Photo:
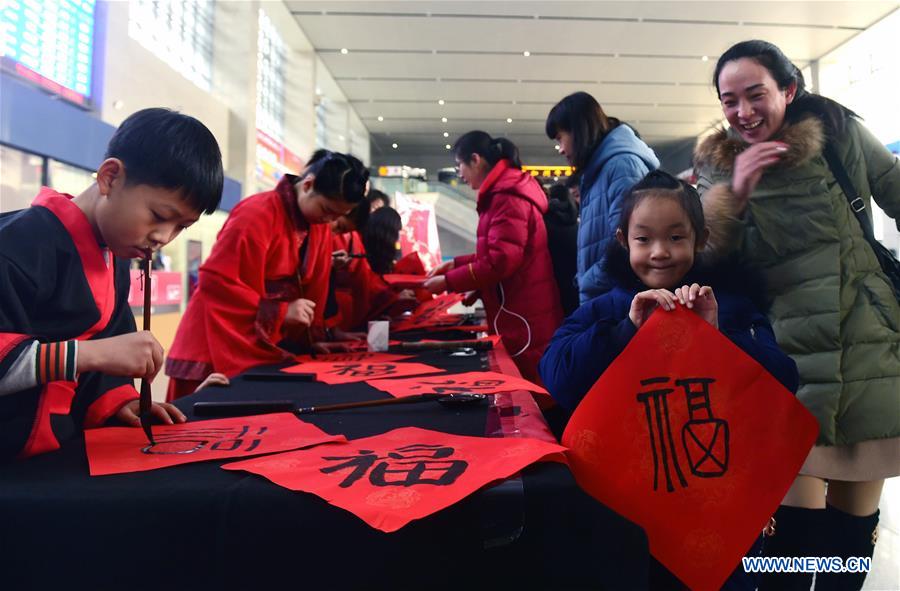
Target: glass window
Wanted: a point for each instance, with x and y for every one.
(270, 79)
(179, 33)
(21, 178)
(66, 178)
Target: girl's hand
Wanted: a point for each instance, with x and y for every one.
(442, 269)
(750, 165)
(701, 300)
(214, 379)
(645, 302)
(165, 413)
(340, 259)
(436, 284)
(300, 312)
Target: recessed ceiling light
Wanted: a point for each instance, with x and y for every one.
(443, 119)
(441, 101)
(394, 146)
(117, 105)
(509, 120)
(526, 53)
(446, 134)
(447, 146)
(344, 51)
(380, 118)
(705, 58)
(557, 147)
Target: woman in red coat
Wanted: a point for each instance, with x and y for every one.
(511, 266)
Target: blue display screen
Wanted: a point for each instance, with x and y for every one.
(52, 38)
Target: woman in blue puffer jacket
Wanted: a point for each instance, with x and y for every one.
(611, 158)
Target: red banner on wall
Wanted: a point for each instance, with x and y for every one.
(693, 440)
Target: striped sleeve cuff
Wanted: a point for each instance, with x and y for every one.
(55, 361)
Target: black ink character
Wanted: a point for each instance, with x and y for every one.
(193, 440)
(405, 466)
(364, 370)
(705, 438)
(660, 416)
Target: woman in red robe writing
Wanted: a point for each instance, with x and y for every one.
(266, 281)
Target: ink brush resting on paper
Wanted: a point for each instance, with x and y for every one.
(478, 345)
(255, 407)
(146, 400)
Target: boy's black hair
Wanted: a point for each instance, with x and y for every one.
(338, 176)
(833, 114)
(491, 149)
(582, 116)
(380, 239)
(376, 195)
(166, 149)
(662, 184)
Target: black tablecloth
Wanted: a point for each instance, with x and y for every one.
(199, 527)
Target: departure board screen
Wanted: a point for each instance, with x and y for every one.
(51, 43)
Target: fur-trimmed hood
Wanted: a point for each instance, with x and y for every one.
(806, 139)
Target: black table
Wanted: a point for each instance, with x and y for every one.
(199, 527)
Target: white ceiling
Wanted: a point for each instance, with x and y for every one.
(642, 60)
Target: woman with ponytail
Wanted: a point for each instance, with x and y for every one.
(772, 197)
(265, 283)
(511, 266)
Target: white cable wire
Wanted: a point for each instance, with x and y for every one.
(510, 312)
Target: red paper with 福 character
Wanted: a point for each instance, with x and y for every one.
(116, 450)
(393, 478)
(478, 382)
(693, 440)
(348, 372)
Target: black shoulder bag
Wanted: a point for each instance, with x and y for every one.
(889, 264)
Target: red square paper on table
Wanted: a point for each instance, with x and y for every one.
(693, 440)
(347, 372)
(115, 450)
(479, 382)
(360, 356)
(404, 280)
(391, 479)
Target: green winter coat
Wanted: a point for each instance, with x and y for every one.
(832, 307)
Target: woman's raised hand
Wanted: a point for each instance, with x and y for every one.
(750, 165)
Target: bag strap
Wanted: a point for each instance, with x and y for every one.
(856, 202)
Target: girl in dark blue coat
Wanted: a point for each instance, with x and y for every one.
(654, 264)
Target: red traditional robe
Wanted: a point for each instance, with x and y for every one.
(361, 293)
(56, 285)
(234, 321)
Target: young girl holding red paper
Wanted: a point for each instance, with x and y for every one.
(654, 264)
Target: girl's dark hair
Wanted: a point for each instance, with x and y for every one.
(491, 149)
(380, 239)
(833, 114)
(662, 184)
(338, 176)
(359, 216)
(376, 195)
(167, 149)
(559, 192)
(582, 116)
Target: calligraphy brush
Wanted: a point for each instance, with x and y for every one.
(236, 408)
(309, 337)
(146, 401)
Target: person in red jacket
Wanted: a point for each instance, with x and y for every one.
(511, 266)
(265, 283)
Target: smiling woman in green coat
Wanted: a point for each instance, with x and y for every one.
(771, 198)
